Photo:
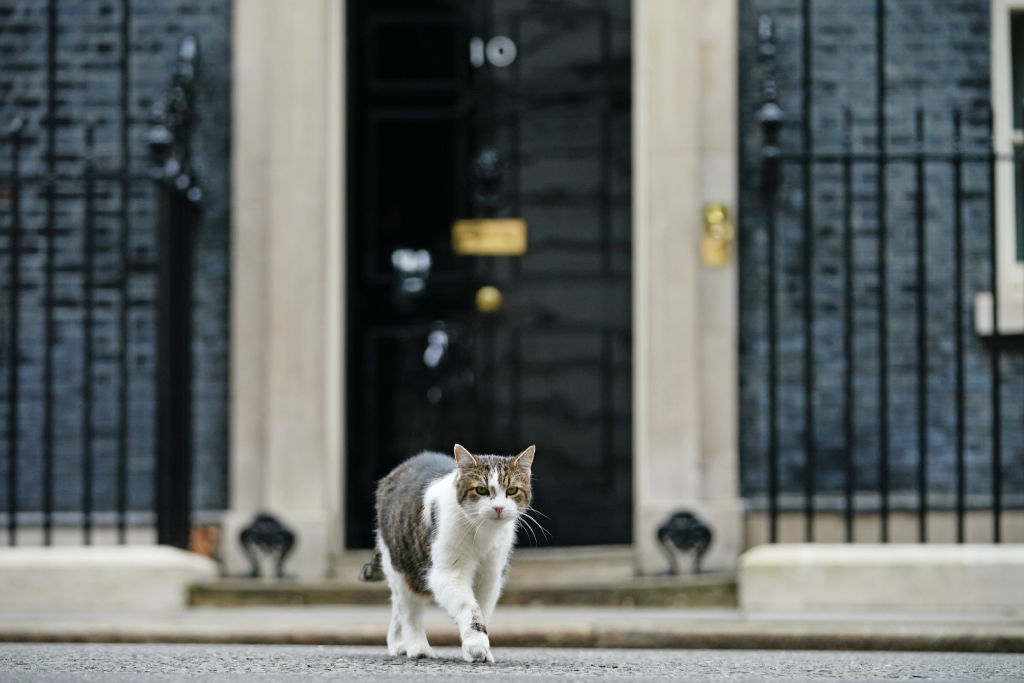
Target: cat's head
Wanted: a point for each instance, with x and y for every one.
(493, 488)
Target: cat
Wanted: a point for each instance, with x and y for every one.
(445, 528)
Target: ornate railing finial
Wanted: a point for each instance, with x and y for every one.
(769, 115)
(173, 118)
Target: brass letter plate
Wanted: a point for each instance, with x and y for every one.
(489, 237)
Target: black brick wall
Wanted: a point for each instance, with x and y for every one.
(89, 88)
(938, 61)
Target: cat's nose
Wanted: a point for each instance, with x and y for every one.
(498, 510)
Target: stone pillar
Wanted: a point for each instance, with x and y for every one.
(287, 275)
(685, 451)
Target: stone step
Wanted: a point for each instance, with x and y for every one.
(599, 576)
(586, 563)
(699, 591)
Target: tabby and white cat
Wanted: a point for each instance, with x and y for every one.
(445, 528)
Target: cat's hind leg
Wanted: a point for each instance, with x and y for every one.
(405, 632)
(396, 643)
(407, 622)
(396, 646)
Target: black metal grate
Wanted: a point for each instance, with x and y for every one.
(875, 375)
(85, 384)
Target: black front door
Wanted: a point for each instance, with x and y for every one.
(515, 109)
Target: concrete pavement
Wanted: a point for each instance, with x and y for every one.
(60, 663)
(529, 626)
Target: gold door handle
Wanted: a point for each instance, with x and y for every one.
(488, 299)
(719, 234)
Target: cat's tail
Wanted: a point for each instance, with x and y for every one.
(372, 570)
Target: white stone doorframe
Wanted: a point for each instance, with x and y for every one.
(287, 276)
(685, 377)
(287, 386)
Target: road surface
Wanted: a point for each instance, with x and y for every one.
(129, 662)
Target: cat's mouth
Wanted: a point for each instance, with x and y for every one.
(497, 514)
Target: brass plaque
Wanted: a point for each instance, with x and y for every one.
(489, 237)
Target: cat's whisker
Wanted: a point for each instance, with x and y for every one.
(523, 523)
(474, 525)
(529, 524)
(526, 516)
(529, 513)
(471, 525)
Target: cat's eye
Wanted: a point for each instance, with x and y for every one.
(511, 490)
(482, 491)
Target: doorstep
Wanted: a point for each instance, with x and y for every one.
(597, 576)
(697, 591)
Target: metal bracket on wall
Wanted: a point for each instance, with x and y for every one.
(683, 532)
(267, 535)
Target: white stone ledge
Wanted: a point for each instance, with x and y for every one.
(974, 578)
(140, 578)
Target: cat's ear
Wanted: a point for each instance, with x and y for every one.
(464, 458)
(525, 459)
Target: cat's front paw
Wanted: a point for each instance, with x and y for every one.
(476, 647)
(420, 651)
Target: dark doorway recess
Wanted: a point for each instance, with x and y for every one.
(481, 109)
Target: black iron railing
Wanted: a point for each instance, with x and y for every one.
(939, 196)
(179, 196)
(76, 327)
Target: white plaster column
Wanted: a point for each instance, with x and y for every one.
(287, 275)
(684, 327)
